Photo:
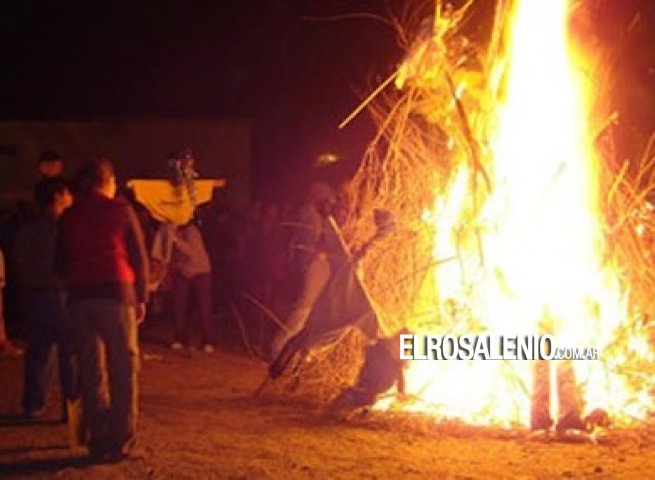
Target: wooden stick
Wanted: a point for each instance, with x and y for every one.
(540, 418)
(468, 133)
(242, 330)
(267, 311)
(368, 99)
(264, 383)
(570, 401)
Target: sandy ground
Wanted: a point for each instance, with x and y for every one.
(200, 420)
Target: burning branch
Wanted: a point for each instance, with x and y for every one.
(550, 200)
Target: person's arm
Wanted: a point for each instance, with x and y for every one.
(137, 255)
(310, 233)
(307, 239)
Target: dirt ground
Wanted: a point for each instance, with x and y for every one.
(200, 420)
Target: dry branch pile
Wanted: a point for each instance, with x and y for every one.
(434, 122)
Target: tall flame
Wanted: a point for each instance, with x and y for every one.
(541, 268)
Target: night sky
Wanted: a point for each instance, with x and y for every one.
(296, 78)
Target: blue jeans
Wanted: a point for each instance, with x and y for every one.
(48, 332)
(107, 341)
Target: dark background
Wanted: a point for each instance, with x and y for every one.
(296, 78)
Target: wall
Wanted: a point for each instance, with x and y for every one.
(138, 147)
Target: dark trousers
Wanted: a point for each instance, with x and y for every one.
(196, 289)
(107, 341)
(49, 333)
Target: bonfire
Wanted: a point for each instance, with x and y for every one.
(514, 216)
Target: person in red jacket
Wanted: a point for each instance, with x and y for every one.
(102, 258)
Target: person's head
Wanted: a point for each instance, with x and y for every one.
(96, 176)
(182, 162)
(53, 195)
(50, 164)
(186, 158)
(322, 197)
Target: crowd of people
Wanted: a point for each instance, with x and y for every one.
(82, 271)
(87, 266)
(236, 270)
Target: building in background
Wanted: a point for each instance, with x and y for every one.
(138, 147)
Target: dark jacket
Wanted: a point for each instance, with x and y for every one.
(101, 251)
(34, 252)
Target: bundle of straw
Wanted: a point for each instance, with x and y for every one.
(432, 122)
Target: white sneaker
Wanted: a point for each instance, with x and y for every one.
(207, 348)
(176, 346)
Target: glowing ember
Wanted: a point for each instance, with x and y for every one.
(530, 253)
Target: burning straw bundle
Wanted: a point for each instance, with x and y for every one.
(434, 122)
(425, 131)
(405, 165)
(631, 231)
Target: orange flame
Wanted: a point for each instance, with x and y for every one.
(533, 260)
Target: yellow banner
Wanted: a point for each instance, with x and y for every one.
(170, 203)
